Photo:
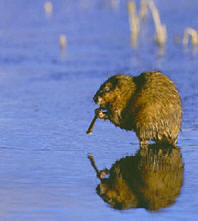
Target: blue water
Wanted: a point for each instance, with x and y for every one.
(46, 105)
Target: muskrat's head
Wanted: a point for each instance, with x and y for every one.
(113, 91)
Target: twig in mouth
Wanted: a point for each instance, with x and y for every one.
(91, 126)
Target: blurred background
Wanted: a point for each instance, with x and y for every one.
(53, 57)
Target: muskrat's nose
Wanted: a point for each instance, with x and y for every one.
(95, 98)
(98, 99)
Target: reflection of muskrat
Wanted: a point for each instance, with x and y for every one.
(150, 179)
(149, 104)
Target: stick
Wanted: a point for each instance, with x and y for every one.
(91, 126)
(94, 165)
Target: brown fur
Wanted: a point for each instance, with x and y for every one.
(151, 179)
(149, 104)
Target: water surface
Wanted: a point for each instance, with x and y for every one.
(46, 106)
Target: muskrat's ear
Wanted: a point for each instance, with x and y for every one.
(114, 81)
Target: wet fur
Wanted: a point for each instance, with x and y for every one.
(149, 104)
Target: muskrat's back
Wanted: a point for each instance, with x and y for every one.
(156, 108)
(149, 104)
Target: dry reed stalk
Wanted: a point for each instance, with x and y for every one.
(48, 7)
(194, 37)
(133, 22)
(115, 4)
(161, 33)
(143, 9)
(63, 42)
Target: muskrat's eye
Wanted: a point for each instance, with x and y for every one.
(107, 89)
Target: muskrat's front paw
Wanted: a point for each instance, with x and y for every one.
(99, 113)
(103, 173)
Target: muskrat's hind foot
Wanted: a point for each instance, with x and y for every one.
(143, 143)
(174, 143)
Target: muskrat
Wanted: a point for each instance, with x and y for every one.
(148, 104)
